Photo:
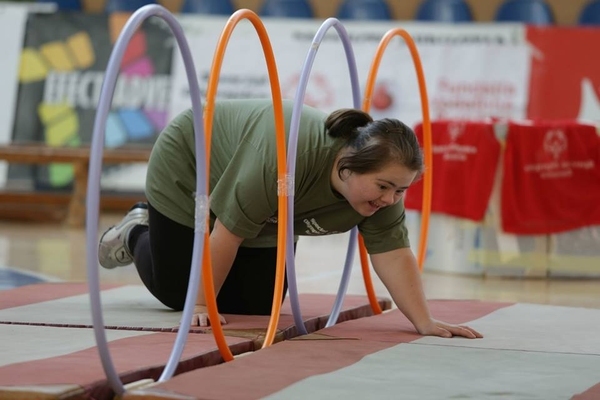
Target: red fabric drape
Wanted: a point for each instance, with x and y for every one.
(551, 177)
(465, 159)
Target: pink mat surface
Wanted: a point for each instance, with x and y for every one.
(131, 307)
(134, 358)
(326, 364)
(54, 344)
(32, 294)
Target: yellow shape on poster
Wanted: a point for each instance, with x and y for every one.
(49, 112)
(63, 130)
(32, 68)
(82, 50)
(57, 55)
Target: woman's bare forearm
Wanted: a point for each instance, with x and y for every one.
(399, 272)
(223, 249)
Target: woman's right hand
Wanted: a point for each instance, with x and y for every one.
(200, 317)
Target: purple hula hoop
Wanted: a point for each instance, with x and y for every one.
(291, 158)
(93, 190)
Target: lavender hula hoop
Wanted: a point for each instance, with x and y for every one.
(93, 190)
(292, 150)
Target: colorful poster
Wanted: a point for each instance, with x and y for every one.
(12, 28)
(63, 64)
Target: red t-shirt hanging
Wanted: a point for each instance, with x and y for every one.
(465, 160)
(551, 178)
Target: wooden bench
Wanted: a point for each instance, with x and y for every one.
(47, 204)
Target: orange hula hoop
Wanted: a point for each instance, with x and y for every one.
(427, 150)
(208, 279)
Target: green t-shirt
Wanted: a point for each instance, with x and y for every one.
(243, 178)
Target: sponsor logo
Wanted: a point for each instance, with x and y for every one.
(473, 99)
(559, 164)
(319, 93)
(555, 143)
(313, 228)
(453, 151)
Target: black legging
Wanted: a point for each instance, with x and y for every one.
(163, 254)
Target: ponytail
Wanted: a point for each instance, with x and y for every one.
(344, 123)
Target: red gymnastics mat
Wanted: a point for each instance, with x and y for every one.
(63, 363)
(528, 352)
(133, 307)
(51, 351)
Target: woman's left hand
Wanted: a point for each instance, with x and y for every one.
(443, 329)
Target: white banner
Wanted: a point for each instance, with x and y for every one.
(12, 27)
(471, 71)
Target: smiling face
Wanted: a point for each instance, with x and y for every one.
(369, 192)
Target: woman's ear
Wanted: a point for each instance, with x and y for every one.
(345, 174)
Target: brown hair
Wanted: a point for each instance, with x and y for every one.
(374, 143)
